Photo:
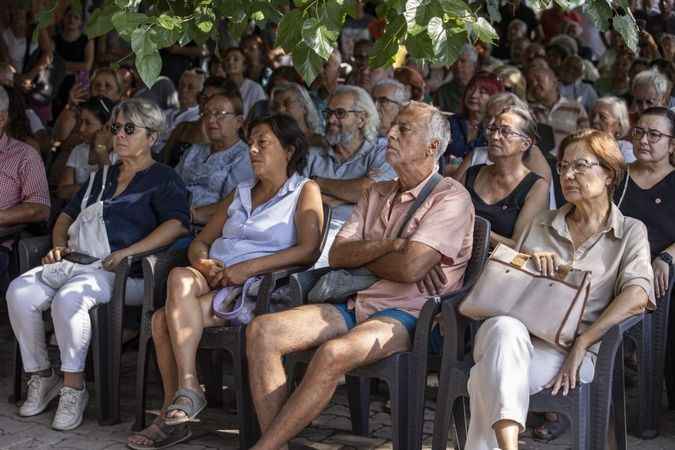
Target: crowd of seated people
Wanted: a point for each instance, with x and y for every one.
(560, 136)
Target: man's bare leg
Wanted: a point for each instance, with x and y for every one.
(368, 342)
(270, 337)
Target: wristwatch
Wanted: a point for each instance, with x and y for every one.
(666, 257)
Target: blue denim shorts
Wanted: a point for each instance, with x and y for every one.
(408, 320)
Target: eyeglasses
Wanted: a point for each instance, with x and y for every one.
(653, 136)
(129, 128)
(286, 104)
(219, 115)
(384, 100)
(644, 103)
(340, 113)
(505, 132)
(578, 166)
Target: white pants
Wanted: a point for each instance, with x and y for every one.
(27, 297)
(510, 366)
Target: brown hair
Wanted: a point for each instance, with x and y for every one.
(412, 78)
(604, 147)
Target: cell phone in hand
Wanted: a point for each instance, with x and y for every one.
(79, 258)
(83, 79)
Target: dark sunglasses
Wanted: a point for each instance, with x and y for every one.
(129, 128)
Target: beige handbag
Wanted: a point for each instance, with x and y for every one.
(510, 285)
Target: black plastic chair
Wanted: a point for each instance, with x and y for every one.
(107, 323)
(405, 373)
(653, 341)
(588, 406)
(11, 234)
(229, 339)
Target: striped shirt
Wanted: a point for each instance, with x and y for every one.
(565, 117)
(22, 174)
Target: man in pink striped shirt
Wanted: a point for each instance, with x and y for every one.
(24, 192)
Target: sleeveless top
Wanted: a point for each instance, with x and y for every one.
(655, 207)
(71, 51)
(252, 233)
(503, 214)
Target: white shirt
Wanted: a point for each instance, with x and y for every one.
(34, 121)
(172, 118)
(79, 160)
(17, 48)
(251, 93)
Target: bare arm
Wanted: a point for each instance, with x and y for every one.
(409, 265)
(351, 254)
(347, 190)
(25, 212)
(537, 163)
(164, 234)
(199, 248)
(65, 124)
(60, 231)
(308, 223)
(67, 187)
(536, 201)
(203, 214)
(459, 173)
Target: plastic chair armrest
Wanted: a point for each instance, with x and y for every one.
(303, 282)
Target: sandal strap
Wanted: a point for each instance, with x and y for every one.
(190, 394)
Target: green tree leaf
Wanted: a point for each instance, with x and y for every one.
(168, 22)
(600, 13)
(482, 30)
(149, 67)
(318, 37)
(626, 27)
(456, 8)
(420, 45)
(100, 22)
(205, 26)
(307, 63)
(412, 10)
(386, 47)
(448, 42)
(289, 33)
(141, 42)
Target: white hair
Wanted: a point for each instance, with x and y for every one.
(471, 51)
(438, 126)
(362, 102)
(619, 110)
(401, 91)
(142, 113)
(311, 114)
(652, 77)
(197, 73)
(4, 100)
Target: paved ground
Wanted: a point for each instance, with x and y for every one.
(331, 431)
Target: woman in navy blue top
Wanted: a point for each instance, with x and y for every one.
(133, 207)
(465, 127)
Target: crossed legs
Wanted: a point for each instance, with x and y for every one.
(271, 337)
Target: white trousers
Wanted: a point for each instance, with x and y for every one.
(27, 297)
(510, 366)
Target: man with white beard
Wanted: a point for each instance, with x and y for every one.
(353, 160)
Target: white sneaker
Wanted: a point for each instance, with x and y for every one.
(71, 408)
(41, 391)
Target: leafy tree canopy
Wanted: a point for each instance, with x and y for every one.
(433, 30)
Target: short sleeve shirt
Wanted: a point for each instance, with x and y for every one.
(154, 196)
(565, 117)
(210, 176)
(22, 174)
(368, 161)
(79, 161)
(444, 222)
(617, 257)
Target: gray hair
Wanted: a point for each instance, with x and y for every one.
(471, 51)
(506, 100)
(142, 113)
(438, 126)
(619, 110)
(401, 91)
(311, 114)
(652, 77)
(362, 102)
(4, 100)
(529, 124)
(197, 73)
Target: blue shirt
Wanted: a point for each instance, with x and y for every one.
(253, 233)
(211, 176)
(460, 145)
(153, 196)
(368, 161)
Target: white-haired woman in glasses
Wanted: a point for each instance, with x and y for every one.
(134, 206)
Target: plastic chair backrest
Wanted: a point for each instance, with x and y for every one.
(479, 251)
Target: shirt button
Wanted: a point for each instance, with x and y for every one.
(505, 207)
(657, 201)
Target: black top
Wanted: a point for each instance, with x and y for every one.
(71, 51)
(503, 214)
(655, 207)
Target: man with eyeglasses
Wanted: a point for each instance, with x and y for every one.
(212, 171)
(353, 159)
(389, 95)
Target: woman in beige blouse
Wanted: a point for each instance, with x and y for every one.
(589, 233)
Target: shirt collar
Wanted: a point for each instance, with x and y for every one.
(388, 188)
(365, 147)
(614, 223)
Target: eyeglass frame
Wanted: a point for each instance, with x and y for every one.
(645, 132)
(491, 129)
(115, 128)
(218, 115)
(327, 113)
(560, 170)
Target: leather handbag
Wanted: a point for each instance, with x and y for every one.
(510, 285)
(337, 286)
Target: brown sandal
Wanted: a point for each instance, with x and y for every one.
(161, 435)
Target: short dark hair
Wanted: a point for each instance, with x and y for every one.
(287, 130)
(101, 107)
(661, 112)
(233, 96)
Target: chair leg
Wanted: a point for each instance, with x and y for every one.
(460, 416)
(618, 409)
(580, 420)
(142, 360)
(212, 370)
(445, 400)
(400, 415)
(249, 431)
(17, 382)
(102, 375)
(358, 392)
(649, 399)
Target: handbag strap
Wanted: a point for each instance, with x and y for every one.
(625, 187)
(424, 193)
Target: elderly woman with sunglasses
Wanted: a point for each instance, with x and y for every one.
(589, 233)
(646, 192)
(506, 192)
(132, 207)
